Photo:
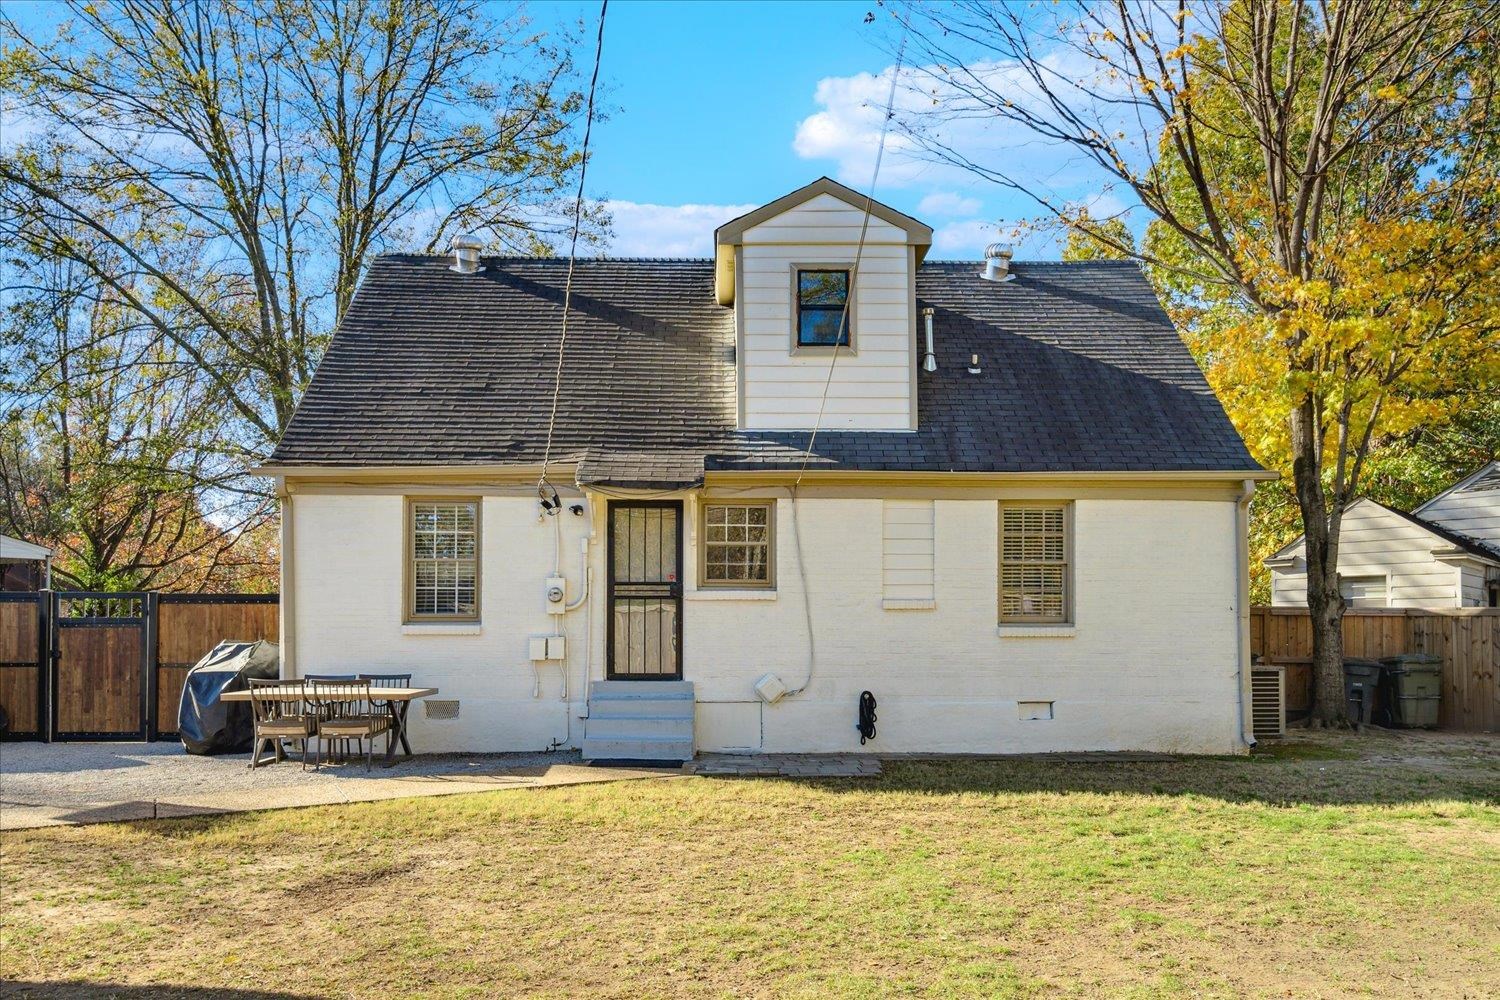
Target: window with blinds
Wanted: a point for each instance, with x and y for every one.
(1034, 552)
(442, 572)
(738, 545)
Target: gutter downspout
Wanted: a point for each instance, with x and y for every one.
(1242, 600)
(288, 636)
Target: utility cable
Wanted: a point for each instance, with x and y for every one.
(850, 292)
(542, 485)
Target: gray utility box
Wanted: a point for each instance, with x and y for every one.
(1416, 689)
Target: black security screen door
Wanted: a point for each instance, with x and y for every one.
(645, 590)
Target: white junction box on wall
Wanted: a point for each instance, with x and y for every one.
(549, 647)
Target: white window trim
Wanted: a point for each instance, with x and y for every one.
(438, 628)
(729, 595)
(1037, 631)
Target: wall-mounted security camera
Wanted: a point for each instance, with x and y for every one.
(577, 509)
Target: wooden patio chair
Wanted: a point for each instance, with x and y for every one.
(277, 720)
(391, 708)
(378, 681)
(322, 711)
(348, 714)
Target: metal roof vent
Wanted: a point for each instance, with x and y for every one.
(466, 254)
(997, 263)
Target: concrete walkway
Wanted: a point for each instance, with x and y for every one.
(785, 765)
(61, 784)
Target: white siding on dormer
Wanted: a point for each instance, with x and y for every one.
(871, 388)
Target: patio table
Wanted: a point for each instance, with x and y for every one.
(397, 701)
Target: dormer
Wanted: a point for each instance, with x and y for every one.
(788, 268)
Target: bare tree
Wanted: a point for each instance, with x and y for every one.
(243, 160)
(115, 463)
(1304, 162)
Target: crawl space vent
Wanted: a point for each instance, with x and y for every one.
(1268, 701)
(441, 709)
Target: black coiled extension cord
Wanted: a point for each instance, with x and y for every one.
(866, 717)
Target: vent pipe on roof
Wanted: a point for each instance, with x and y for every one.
(929, 359)
(997, 263)
(466, 254)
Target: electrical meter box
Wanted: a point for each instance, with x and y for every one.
(557, 595)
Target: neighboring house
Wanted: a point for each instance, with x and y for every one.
(1445, 554)
(1034, 542)
(23, 566)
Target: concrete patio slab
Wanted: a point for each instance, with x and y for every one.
(63, 784)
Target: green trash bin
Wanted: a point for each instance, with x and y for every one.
(1416, 689)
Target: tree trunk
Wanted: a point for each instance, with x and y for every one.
(1324, 604)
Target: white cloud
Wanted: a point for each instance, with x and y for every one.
(964, 240)
(946, 204)
(927, 104)
(645, 230)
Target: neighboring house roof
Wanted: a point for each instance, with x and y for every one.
(16, 550)
(1483, 480)
(1082, 371)
(1459, 541)
(1473, 546)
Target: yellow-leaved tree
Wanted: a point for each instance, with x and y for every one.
(1322, 184)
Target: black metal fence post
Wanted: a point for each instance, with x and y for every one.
(148, 662)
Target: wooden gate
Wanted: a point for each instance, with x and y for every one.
(100, 657)
(23, 660)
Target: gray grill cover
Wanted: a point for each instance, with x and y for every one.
(207, 724)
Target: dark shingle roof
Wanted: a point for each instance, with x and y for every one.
(1082, 371)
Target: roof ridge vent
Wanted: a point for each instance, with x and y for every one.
(997, 262)
(466, 254)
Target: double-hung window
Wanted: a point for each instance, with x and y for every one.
(1035, 583)
(823, 313)
(442, 560)
(738, 548)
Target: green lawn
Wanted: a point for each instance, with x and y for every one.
(1345, 866)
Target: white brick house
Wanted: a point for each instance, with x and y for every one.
(1041, 549)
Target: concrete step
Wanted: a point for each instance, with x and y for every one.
(625, 727)
(645, 748)
(639, 720)
(641, 708)
(640, 690)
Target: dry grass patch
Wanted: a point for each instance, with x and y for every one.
(1300, 873)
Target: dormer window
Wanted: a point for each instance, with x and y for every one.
(822, 300)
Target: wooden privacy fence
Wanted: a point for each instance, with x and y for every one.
(85, 666)
(1468, 641)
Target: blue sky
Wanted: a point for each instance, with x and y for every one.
(723, 106)
(719, 107)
